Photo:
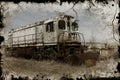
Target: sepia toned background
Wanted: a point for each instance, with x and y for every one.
(96, 21)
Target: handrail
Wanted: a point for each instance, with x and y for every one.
(63, 32)
(78, 33)
(82, 36)
(30, 40)
(75, 33)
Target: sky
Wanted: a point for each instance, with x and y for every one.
(93, 22)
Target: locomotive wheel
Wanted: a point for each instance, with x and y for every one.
(50, 54)
(9, 52)
(73, 59)
(35, 56)
(53, 55)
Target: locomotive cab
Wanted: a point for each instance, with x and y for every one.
(61, 29)
(68, 30)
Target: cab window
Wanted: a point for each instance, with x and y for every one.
(50, 27)
(74, 26)
(61, 24)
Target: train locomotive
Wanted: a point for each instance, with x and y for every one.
(55, 38)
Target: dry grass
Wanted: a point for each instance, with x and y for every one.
(53, 68)
(32, 67)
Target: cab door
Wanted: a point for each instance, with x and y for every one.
(50, 33)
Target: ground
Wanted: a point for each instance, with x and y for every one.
(55, 70)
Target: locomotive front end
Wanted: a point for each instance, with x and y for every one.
(69, 38)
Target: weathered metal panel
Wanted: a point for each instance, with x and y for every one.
(15, 37)
(21, 36)
(24, 35)
(39, 34)
(50, 37)
(9, 42)
(30, 35)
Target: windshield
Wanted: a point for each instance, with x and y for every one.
(74, 26)
(61, 24)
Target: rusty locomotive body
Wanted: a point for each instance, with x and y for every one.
(50, 39)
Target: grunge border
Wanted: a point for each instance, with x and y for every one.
(52, 1)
